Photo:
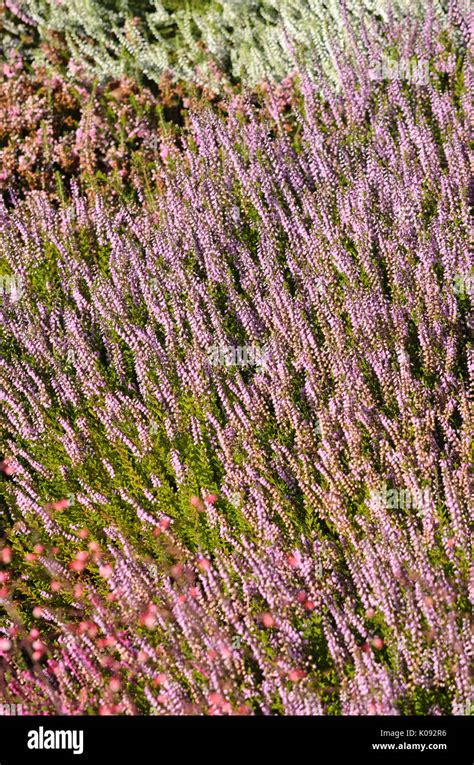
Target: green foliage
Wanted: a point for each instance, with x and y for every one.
(245, 39)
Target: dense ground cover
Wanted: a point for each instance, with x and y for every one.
(234, 382)
(214, 42)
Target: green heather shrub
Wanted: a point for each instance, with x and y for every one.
(203, 40)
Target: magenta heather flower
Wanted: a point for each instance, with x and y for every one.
(235, 412)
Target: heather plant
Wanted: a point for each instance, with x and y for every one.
(185, 533)
(209, 41)
(106, 137)
(52, 131)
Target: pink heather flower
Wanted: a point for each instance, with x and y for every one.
(83, 534)
(377, 643)
(74, 67)
(5, 644)
(197, 503)
(216, 699)
(55, 585)
(78, 591)
(296, 674)
(60, 504)
(37, 612)
(34, 633)
(4, 576)
(301, 597)
(164, 152)
(38, 549)
(165, 523)
(148, 620)
(115, 684)
(211, 499)
(106, 710)
(8, 467)
(3, 592)
(309, 605)
(106, 571)
(370, 613)
(204, 564)
(82, 555)
(268, 620)
(107, 641)
(6, 554)
(77, 565)
(88, 627)
(30, 557)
